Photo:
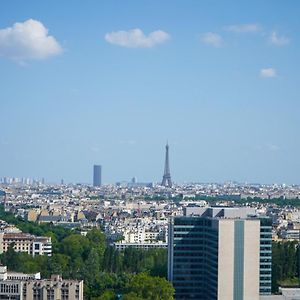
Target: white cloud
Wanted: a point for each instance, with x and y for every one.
(212, 39)
(268, 147)
(268, 72)
(135, 38)
(244, 28)
(278, 40)
(128, 142)
(28, 40)
(94, 149)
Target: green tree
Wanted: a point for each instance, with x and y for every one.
(75, 246)
(131, 296)
(151, 288)
(107, 295)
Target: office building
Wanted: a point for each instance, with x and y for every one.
(97, 175)
(219, 254)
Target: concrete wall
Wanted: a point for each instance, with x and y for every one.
(226, 260)
(251, 259)
(238, 259)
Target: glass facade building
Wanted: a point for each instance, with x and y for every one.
(265, 280)
(209, 258)
(195, 258)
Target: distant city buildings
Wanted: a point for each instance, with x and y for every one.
(220, 254)
(97, 175)
(137, 215)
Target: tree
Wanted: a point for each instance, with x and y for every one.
(107, 295)
(10, 258)
(150, 288)
(131, 296)
(75, 246)
(97, 241)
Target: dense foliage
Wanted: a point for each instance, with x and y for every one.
(107, 273)
(285, 264)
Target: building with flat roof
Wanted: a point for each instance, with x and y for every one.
(19, 286)
(24, 242)
(219, 254)
(97, 175)
(145, 246)
(285, 294)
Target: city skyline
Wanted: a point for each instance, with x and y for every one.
(110, 82)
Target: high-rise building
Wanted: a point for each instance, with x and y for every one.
(166, 181)
(97, 175)
(219, 254)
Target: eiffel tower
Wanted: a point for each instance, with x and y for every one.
(167, 175)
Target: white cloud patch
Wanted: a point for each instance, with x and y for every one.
(28, 40)
(128, 142)
(277, 40)
(268, 72)
(244, 28)
(135, 38)
(268, 147)
(212, 39)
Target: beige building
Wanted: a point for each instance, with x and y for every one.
(19, 286)
(27, 243)
(238, 257)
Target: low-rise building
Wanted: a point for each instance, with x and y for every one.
(122, 246)
(19, 286)
(24, 242)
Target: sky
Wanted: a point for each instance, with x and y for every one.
(110, 82)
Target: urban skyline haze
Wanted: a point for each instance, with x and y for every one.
(111, 81)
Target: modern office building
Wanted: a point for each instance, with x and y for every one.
(97, 175)
(219, 254)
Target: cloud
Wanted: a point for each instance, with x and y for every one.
(278, 40)
(28, 40)
(212, 39)
(244, 28)
(273, 147)
(268, 147)
(128, 142)
(94, 149)
(268, 72)
(135, 38)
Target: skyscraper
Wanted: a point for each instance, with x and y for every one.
(97, 175)
(166, 181)
(219, 254)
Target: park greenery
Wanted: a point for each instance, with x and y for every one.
(285, 264)
(107, 273)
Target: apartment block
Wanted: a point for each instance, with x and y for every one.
(27, 243)
(19, 286)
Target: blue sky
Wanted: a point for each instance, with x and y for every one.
(111, 81)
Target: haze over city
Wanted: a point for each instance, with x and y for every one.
(110, 82)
